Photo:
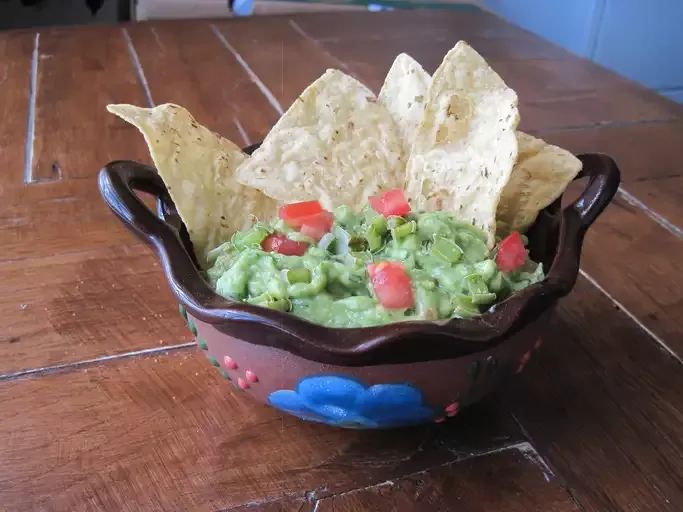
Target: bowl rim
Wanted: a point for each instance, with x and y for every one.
(164, 232)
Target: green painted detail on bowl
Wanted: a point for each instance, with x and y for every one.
(193, 328)
(473, 371)
(214, 362)
(225, 375)
(491, 366)
(182, 311)
(202, 344)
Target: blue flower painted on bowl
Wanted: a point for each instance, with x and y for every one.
(346, 402)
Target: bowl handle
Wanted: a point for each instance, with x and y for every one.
(118, 182)
(604, 178)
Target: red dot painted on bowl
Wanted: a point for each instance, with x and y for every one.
(538, 343)
(242, 383)
(452, 409)
(526, 357)
(230, 363)
(251, 376)
(439, 420)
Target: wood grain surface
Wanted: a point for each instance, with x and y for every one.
(106, 404)
(524, 485)
(16, 58)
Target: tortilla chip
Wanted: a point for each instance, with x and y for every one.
(336, 144)
(404, 94)
(198, 167)
(539, 177)
(466, 145)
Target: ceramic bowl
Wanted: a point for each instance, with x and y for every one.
(373, 377)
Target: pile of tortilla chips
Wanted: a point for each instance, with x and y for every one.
(450, 141)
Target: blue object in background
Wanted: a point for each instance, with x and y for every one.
(243, 7)
(570, 24)
(345, 402)
(378, 7)
(637, 39)
(644, 41)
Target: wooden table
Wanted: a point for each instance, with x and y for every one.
(106, 404)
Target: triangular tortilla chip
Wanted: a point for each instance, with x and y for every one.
(466, 145)
(539, 177)
(336, 144)
(198, 166)
(404, 93)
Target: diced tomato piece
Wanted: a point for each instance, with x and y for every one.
(317, 226)
(294, 214)
(278, 242)
(391, 202)
(511, 254)
(391, 284)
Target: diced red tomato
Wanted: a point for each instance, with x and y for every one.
(278, 242)
(296, 213)
(391, 284)
(511, 254)
(317, 226)
(391, 202)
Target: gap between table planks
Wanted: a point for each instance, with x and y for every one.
(15, 73)
(507, 480)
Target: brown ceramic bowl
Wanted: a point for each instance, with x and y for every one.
(373, 377)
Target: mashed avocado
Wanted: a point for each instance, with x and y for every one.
(450, 271)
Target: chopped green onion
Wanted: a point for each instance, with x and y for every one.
(379, 225)
(394, 221)
(426, 304)
(486, 269)
(446, 250)
(318, 282)
(479, 292)
(463, 307)
(250, 238)
(267, 301)
(483, 298)
(298, 275)
(476, 284)
(374, 240)
(404, 230)
(525, 239)
(411, 243)
(497, 283)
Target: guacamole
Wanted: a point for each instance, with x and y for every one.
(368, 268)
